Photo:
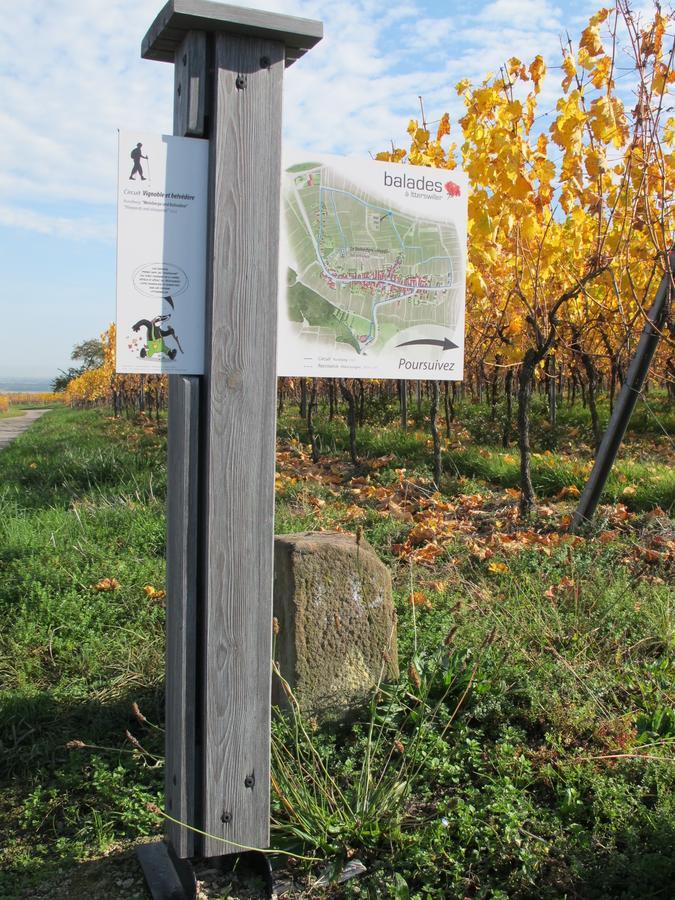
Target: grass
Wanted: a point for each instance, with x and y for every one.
(526, 750)
(516, 798)
(77, 504)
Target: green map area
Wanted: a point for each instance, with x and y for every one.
(363, 270)
(306, 306)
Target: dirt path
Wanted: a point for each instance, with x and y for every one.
(16, 425)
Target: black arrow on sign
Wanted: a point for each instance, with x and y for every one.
(445, 343)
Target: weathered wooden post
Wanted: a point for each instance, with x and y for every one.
(229, 64)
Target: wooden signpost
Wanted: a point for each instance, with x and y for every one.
(229, 64)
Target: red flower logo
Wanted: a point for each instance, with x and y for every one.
(453, 189)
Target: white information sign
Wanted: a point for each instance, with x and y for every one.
(372, 269)
(161, 253)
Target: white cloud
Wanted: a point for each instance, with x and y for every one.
(79, 228)
(525, 14)
(79, 77)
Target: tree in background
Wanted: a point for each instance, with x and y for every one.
(90, 352)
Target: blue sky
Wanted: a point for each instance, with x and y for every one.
(71, 74)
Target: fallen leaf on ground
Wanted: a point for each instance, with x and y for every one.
(106, 584)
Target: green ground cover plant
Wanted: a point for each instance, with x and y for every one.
(526, 750)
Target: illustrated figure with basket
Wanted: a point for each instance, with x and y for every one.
(155, 343)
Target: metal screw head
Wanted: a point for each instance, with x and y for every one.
(249, 781)
(240, 83)
(264, 62)
(226, 817)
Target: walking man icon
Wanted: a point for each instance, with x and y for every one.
(137, 156)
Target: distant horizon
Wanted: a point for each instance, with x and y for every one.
(9, 372)
(9, 384)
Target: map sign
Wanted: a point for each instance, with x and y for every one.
(161, 253)
(372, 270)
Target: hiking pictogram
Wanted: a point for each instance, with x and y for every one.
(137, 155)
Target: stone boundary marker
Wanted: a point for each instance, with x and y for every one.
(336, 621)
(11, 428)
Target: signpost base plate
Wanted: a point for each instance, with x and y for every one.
(167, 877)
(171, 878)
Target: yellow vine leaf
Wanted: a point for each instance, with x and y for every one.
(522, 187)
(513, 110)
(421, 137)
(450, 162)
(591, 42)
(529, 228)
(567, 128)
(530, 103)
(600, 16)
(443, 126)
(476, 283)
(652, 39)
(537, 71)
(515, 67)
(663, 76)
(570, 70)
(600, 74)
(608, 121)
(483, 225)
(596, 162)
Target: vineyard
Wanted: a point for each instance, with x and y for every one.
(526, 750)
(15, 403)
(569, 235)
(17, 400)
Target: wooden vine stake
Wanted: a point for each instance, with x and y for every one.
(229, 64)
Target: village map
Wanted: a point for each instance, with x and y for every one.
(373, 268)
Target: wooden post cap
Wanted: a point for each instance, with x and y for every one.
(180, 16)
